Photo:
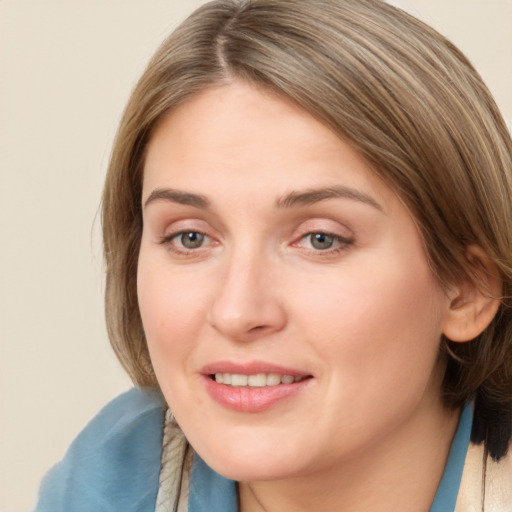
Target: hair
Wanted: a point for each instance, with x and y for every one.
(397, 91)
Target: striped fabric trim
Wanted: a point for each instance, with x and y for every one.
(175, 468)
(486, 485)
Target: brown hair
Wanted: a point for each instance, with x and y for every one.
(402, 95)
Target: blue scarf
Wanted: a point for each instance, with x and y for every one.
(114, 464)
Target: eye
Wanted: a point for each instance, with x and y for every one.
(186, 240)
(320, 241)
(190, 239)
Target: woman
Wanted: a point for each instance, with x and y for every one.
(309, 254)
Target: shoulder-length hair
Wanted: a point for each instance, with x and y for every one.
(398, 92)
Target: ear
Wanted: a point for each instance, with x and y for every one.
(473, 303)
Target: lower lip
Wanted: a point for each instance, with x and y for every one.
(245, 399)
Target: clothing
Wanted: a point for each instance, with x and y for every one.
(114, 463)
(132, 457)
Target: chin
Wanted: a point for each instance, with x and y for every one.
(250, 460)
(240, 470)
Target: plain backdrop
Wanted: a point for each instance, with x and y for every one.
(66, 70)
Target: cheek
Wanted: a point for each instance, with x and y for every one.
(172, 308)
(379, 325)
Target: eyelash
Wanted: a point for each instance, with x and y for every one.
(341, 243)
(184, 251)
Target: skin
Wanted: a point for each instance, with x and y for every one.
(363, 317)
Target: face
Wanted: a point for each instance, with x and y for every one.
(291, 316)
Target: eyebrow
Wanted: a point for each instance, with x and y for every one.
(311, 196)
(290, 200)
(178, 196)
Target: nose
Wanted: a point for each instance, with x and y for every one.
(247, 304)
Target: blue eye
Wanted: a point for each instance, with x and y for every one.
(326, 242)
(190, 239)
(321, 241)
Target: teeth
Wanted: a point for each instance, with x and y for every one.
(238, 380)
(257, 380)
(273, 379)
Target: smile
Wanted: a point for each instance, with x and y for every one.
(258, 380)
(253, 387)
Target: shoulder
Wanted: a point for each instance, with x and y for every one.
(114, 463)
(123, 416)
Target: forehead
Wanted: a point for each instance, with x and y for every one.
(245, 138)
(230, 117)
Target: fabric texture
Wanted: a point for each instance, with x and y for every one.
(114, 463)
(486, 484)
(133, 457)
(175, 469)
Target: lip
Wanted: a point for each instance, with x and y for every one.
(247, 399)
(250, 368)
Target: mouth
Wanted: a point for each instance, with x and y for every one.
(253, 387)
(257, 380)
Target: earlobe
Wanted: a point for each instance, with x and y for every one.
(473, 302)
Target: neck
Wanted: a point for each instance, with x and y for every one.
(402, 469)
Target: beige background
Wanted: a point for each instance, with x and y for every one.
(66, 69)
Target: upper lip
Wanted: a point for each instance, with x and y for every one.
(250, 368)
